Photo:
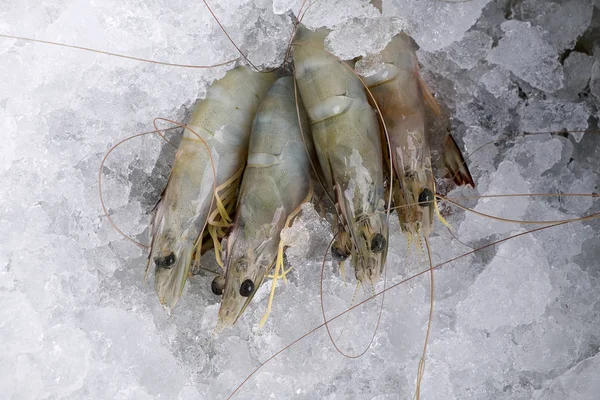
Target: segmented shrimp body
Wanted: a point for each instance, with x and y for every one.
(348, 145)
(223, 122)
(401, 95)
(276, 182)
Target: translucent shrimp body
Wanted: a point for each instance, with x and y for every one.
(398, 93)
(401, 96)
(347, 141)
(276, 182)
(223, 121)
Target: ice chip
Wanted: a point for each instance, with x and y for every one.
(525, 51)
(435, 24)
(555, 116)
(512, 290)
(473, 47)
(579, 382)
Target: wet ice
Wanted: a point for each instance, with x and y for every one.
(519, 320)
(523, 47)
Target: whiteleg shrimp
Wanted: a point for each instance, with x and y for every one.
(223, 121)
(70, 87)
(277, 181)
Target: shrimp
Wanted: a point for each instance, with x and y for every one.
(223, 121)
(401, 94)
(54, 143)
(346, 138)
(277, 180)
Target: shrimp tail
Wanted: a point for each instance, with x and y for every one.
(455, 163)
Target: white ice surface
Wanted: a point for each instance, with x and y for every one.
(518, 320)
(523, 47)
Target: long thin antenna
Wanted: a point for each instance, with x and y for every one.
(229, 37)
(421, 368)
(326, 322)
(108, 53)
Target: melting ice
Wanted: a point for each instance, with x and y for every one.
(518, 320)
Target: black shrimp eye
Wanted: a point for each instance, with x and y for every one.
(378, 243)
(246, 288)
(217, 285)
(165, 262)
(170, 259)
(425, 198)
(338, 255)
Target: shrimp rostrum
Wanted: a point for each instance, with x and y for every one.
(348, 145)
(214, 146)
(276, 182)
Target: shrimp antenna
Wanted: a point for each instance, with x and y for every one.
(421, 368)
(102, 203)
(452, 201)
(108, 53)
(515, 221)
(326, 322)
(564, 132)
(229, 37)
(491, 196)
(240, 50)
(295, 22)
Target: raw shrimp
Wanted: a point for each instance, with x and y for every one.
(277, 180)
(467, 355)
(400, 95)
(347, 141)
(223, 121)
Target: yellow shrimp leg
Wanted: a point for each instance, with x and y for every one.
(219, 220)
(279, 260)
(222, 209)
(229, 183)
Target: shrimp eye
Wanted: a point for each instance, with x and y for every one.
(165, 262)
(338, 255)
(170, 259)
(217, 285)
(246, 288)
(378, 243)
(425, 198)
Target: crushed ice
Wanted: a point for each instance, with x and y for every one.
(517, 320)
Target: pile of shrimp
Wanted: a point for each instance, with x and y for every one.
(253, 183)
